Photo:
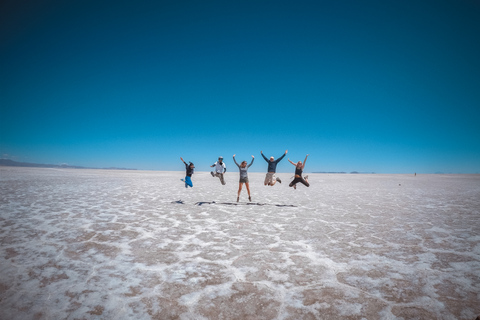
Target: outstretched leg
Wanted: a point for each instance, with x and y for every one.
(294, 183)
(297, 180)
(306, 180)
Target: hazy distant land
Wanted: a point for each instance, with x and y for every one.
(12, 163)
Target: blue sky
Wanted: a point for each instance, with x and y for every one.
(369, 86)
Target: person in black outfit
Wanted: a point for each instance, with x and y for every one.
(299, 166)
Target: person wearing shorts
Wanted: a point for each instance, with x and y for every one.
(270, 178)
(299, 166)
(243, 177)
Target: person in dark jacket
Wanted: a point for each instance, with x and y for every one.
(270, 178)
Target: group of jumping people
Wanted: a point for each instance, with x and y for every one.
(270, 178)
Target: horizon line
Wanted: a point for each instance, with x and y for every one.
(14, 163)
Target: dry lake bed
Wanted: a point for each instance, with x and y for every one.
(94, 244)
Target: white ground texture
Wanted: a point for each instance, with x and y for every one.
(93, 244)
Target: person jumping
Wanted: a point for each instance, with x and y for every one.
(299, 166)
(188, 176)
(243, 177)
(220, 169)
(270, 178)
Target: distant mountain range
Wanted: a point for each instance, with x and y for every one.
(11, 163)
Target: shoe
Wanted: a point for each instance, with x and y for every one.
(250, 199)
(212, 174)
(295, 186)
(238, 199)
(305, 178)
(279, 181)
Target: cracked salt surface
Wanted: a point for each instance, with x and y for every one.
(92, 244)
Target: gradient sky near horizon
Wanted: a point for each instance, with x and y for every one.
(368, 86)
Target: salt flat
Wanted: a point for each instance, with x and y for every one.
(93, 244)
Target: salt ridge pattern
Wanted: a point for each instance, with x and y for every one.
(90, 244)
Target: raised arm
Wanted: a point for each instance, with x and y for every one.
(283, 156)
(235, 161)
(253, 158)
(186, 165)
(263, 156)
(292, 162)
(305, 161)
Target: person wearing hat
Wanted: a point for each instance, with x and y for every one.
(220, 169)
(188, 176)
(270, 178)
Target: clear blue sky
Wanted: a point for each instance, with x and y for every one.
(382, 86)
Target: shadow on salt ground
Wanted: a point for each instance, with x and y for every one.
(200, 203)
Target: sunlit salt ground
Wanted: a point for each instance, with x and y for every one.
(92, 244)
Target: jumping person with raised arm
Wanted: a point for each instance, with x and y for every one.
(243, 177)
(220, 169)
(270, 178)
(299, 166)
(188, 175)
